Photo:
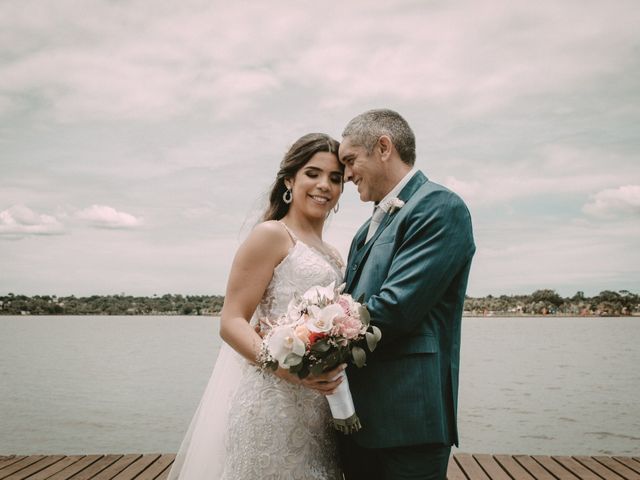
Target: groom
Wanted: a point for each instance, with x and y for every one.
(411, 261)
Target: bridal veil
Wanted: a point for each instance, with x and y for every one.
(202, 452)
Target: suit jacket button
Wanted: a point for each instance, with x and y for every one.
(354, 267)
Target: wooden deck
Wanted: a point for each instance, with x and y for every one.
(461, 467)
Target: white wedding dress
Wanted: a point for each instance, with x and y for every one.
(251, 425)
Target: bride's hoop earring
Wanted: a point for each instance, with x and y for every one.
(336, 208)
(287, 196)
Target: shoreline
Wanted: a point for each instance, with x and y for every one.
(540, 315)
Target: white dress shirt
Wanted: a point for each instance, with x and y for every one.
(381, 209)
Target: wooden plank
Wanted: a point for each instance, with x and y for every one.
(576, 468)
(462, 466)
(17, 466)
(513, 468)
(95, 468)
(629, 462)
(35, 467)
(492, 468)
(157, 468)
(554, 467)
(453, 470)
(619, 468)
(114, 469)
(597, 468)
(10, 460)
(470, 467)
(69, 471)
(133, 470)
(164, 475)
(56, 467)
(533, 467)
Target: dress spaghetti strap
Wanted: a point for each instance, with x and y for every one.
(294, 239)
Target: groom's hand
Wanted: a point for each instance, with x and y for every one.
(327, 382)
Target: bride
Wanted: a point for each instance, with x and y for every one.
(254, 424)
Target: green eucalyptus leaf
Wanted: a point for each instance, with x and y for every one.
(317, 369)
(320, 346)
(365, 318)
(372, 341)
(291, 360)
(321, 355)
(296, 369)
(304, 371)
(333, 360)
(359, 356)
(377, 332)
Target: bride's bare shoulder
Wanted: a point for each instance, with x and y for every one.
(270, 231)
(268, 239)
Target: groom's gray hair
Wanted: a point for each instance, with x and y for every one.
(365, 130)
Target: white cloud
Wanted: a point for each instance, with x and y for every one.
(553, 169)
(104, 216)
(473, 57)
(20, 220)
(137, 63)
(612, 202)
(134, 63)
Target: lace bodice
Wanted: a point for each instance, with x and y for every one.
(301, 269)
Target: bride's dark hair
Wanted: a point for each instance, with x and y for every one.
(297, 157)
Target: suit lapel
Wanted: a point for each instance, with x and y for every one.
(356, 246)
(360, 254)
(361, 236)
(410, 188)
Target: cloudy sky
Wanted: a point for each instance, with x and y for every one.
(138, 138)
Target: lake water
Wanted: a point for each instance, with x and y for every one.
(130, 384)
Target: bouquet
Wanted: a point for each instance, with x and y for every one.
(318, 332)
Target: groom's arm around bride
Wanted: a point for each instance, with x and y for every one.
(411, 262)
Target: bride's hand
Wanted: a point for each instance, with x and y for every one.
(284, 374)
(326, 383)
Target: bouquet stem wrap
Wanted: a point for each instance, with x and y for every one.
(342, 409)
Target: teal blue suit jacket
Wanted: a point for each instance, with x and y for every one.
(413, 274)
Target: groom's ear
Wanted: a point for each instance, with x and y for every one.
(384, 146)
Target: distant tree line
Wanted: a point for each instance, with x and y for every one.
(549, 302)
(111, 305)
(540, 302)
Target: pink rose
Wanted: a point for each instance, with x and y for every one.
(347, 327)
(345, 304)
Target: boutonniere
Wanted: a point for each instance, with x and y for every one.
(394, 205)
